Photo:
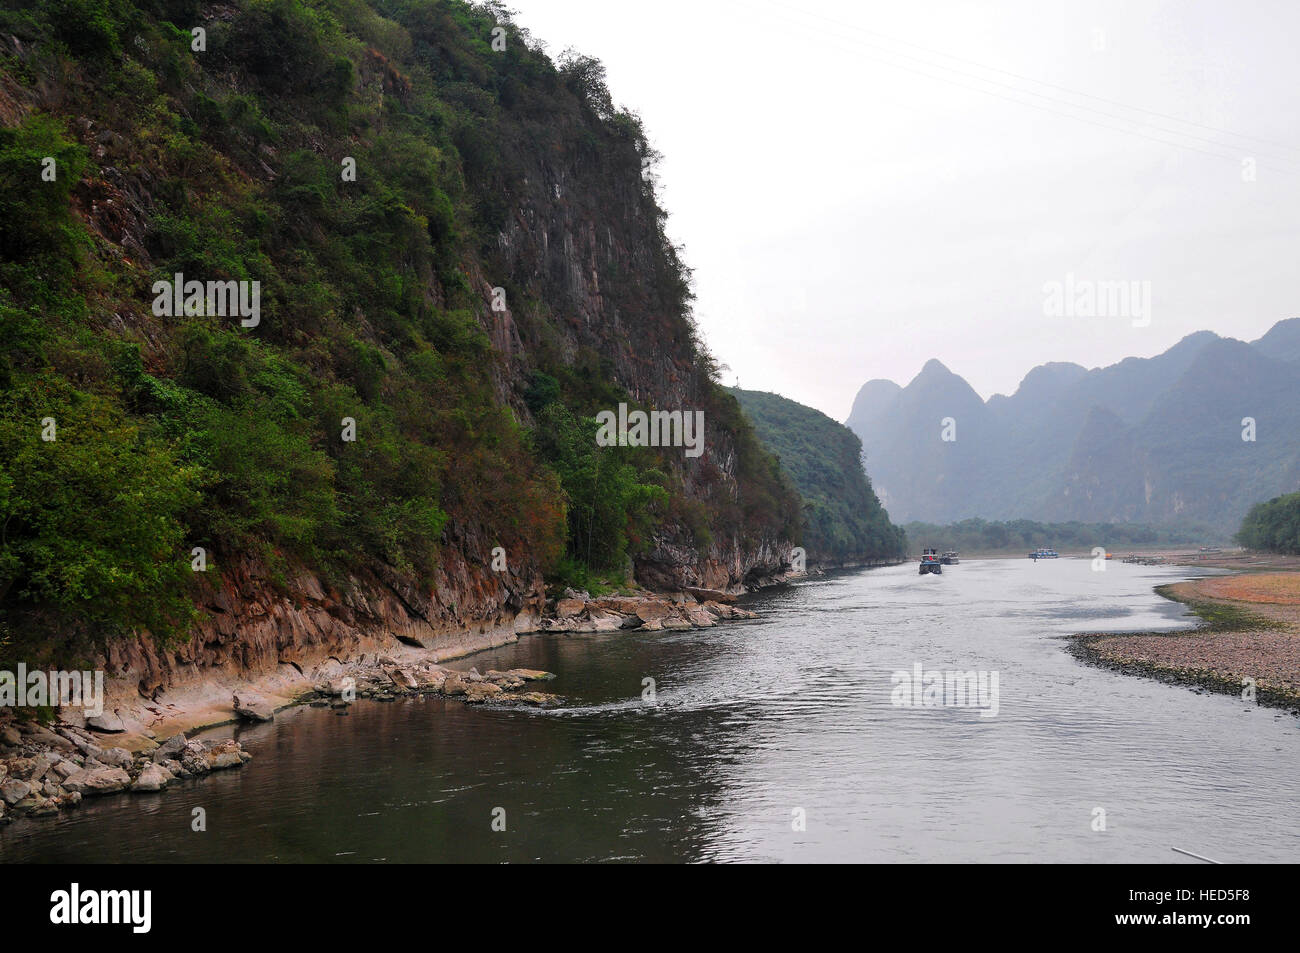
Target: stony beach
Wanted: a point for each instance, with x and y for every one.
(1249, 638)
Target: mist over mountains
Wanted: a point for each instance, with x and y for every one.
(1156, 440)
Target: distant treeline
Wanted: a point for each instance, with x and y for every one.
(1021, 536)
(1273, 526)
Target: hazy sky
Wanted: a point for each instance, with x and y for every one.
(861, 187)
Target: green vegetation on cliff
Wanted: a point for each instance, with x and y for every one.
(232, 163)
(1273, 526)
(843, 519)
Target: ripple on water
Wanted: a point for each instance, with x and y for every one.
(751, 723)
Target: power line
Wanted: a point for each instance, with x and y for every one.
(1057, 102)
(1040, 82)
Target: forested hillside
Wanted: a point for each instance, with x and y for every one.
(843, 520)
(459, 262)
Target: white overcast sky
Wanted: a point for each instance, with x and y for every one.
(854, 203)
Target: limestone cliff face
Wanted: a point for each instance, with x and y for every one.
(545, 198)
(582, 236)
(733, 567)
(572, 223)
(253, 626)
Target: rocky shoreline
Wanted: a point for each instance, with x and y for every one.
(691, 609)
(45, 768)
(1247, 643)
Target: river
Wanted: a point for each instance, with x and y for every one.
(772, 740)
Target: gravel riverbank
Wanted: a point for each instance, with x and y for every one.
(1248, 642)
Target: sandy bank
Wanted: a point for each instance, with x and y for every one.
(1248, 640)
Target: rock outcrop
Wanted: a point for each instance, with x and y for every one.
(44, 771)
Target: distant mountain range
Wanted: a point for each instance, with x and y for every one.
(1153, 440)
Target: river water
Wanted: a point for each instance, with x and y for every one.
(773, 740)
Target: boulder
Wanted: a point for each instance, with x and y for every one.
(531, 674)
(10, 735)
(44, 761)
(224, 755)
(481, 692)
(403, 680)
(83, 744)
(603, 622)
(454, 684)
(650, 610)
(42, 735)
(710, 595)
(97, 781)
(107, 723)
(169, 749)
(568, 608)
(36, 806)
(432, 681)
(152, 778)
(115, 757)
(338, 686)
(194, 758)
(533, 698)
(13, 790)
(700, 617)
(253, 707)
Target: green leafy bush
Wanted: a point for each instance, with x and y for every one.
(1273, 526)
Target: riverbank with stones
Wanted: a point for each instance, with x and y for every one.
(1247, 643)
(46, 768)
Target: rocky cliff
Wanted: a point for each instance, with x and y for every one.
(458, 253)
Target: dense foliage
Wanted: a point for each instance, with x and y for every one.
(843, 519)
(227, 164)
(1273, 526)
(1022, 536)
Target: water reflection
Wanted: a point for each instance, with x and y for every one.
(754, 722)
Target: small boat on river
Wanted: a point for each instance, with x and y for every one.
(930, 562)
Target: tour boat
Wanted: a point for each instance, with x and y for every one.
(930, 562)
